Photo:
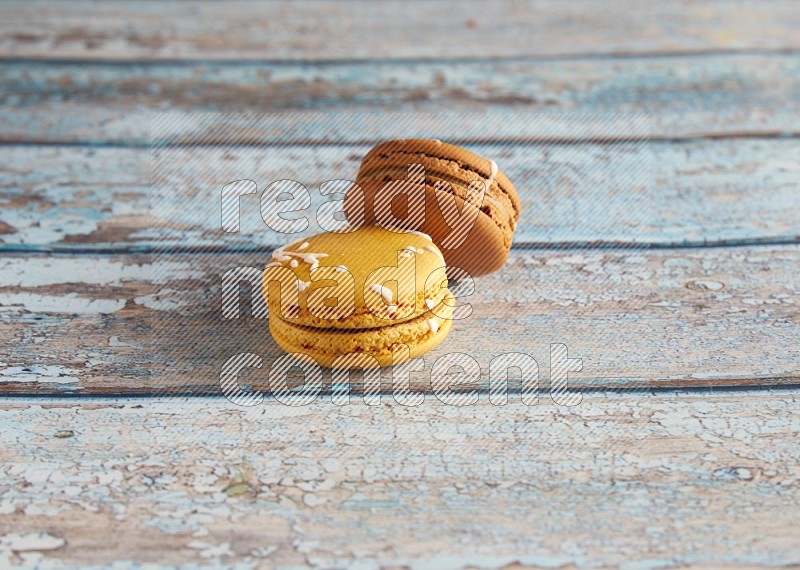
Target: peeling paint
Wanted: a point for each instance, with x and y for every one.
(65, 304)
(506, 485)
(50, 374)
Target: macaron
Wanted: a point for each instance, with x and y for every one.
(358, 292)
(465, 203)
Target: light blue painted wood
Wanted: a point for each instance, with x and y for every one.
(686, 96)
(216, 484)
(688, 193)
(711, 317)
(290, 30)
(695, 318)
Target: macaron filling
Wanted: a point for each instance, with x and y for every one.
(332, 343)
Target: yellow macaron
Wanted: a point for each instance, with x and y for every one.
(359, 291)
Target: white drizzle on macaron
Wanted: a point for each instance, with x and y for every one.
(384, 292)
(492, 173)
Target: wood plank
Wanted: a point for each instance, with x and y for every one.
(621, 481)
(712, 95)
(723, 191)
(665, 318)
(292, 31)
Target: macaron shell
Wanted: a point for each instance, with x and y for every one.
(486, 245)
(446, 161)
(362, 320)
(484, 249)
(361, 253)
(326, 345)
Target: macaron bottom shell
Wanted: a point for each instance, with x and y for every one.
(326, 345)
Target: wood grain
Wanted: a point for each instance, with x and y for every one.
(726, 191)
(712, 95)
(688, 317)
(683, 450)
(292, 31)
(668, 480)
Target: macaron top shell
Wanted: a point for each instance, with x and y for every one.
(452, 170)
(370, 277)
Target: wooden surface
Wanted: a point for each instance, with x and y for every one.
(659, 168)
(665, 480)
(675, 317)
(320, 30)
(730, 191)
(717, 95)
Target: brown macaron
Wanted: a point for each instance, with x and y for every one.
(463, 201)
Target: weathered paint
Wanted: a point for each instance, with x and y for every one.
(637, 319)
(685, 96)
(665, 480)
(331, 30)
(699, 192)
(631, 479)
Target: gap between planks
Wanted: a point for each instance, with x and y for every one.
(769, 135)
(310, 61)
